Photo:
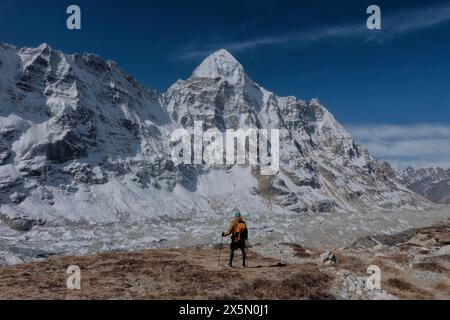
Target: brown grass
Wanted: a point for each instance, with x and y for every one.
(443, 286)
(299, 251)
(351, 263)
(398, 258)
(305, 285)
(430, 266)
(406, 290)
(162, 274)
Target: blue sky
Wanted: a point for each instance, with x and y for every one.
(397, 78)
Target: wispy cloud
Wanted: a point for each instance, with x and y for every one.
(393, 25)
(419, 145)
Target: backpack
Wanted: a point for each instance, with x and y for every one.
(241, 232)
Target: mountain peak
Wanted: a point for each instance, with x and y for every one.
(220, 64)
(44, 46)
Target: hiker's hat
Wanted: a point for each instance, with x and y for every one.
(237, 213)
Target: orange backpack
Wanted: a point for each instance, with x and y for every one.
(241, 232)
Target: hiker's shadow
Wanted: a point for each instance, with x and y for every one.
(278, 265)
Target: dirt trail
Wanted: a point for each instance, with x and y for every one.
(414, 264)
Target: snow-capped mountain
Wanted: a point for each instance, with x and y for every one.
(433, 183)
(323, 169)
(82, 142)
(72, 122)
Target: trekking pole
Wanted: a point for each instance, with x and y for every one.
(220, 252)
(246, 254)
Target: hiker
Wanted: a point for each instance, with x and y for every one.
(239, 236)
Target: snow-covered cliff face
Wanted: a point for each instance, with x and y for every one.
(432, 183)
(82, 141)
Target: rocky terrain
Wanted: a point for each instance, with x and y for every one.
(414, 264)
(431, 183)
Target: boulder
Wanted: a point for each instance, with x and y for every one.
(22, 224)
(17, 197)
(328, 258)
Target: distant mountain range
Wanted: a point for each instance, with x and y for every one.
(432, 183)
